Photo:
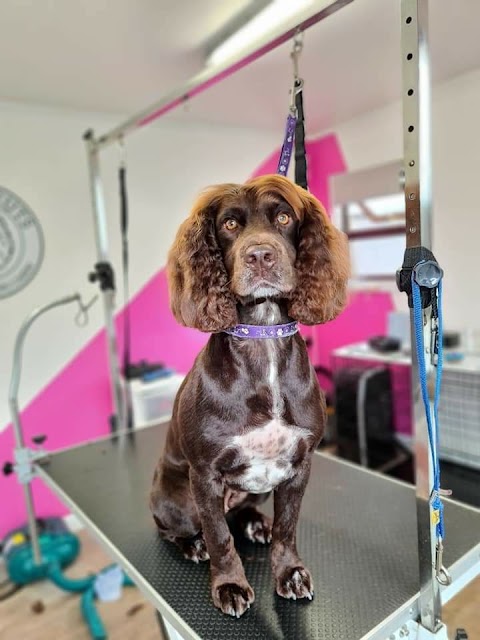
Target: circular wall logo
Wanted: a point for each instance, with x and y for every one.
(21, 244)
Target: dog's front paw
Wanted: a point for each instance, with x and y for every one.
(194, 548)
(259, 529)
(233, 599)
(295, 583)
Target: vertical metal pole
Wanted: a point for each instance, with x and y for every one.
(20, 450)
(108, 293)
(418, 200)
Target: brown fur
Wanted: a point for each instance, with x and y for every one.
(228, 394)
(200, 295)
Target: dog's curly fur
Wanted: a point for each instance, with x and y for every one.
(200, 295)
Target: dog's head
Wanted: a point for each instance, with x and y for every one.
(266, 238)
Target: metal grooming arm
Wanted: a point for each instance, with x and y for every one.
(24, 456)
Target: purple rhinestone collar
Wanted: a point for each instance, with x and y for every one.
(256, 331)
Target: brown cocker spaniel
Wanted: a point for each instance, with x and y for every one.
(250, 413)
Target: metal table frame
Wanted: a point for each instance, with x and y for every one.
(369, 535)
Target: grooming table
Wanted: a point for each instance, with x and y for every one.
(357, 534)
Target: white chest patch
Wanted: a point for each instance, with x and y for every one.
(268, 451)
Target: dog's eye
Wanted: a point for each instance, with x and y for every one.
(283, 218)
(230, 224)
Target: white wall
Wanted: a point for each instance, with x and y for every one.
(376, 137)
(42, 159)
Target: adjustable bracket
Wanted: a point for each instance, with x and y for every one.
(103, 274)
(427, 273)
(25, 457)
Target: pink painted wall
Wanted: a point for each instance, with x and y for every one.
(74, 407)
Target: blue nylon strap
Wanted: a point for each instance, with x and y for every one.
(432, 425)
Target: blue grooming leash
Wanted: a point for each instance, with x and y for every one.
(433, 427)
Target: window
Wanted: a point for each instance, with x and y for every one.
(369, 206)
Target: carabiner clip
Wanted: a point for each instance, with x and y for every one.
(295, 53)
(441, 573)
(297, 85)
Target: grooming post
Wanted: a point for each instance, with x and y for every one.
(418, 206)
(23, 455)
(105, 276)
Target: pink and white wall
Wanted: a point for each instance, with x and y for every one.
(64, 382)
(65, 385)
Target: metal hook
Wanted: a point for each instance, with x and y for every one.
(81, 319)
(297, 87)
(296, 51)
(441, 573)
(443, 577)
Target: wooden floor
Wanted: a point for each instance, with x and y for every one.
(464, 611)
(132, 618)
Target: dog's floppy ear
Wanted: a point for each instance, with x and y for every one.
(200, 296)
(322, 266)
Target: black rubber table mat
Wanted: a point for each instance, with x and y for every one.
(357, 534)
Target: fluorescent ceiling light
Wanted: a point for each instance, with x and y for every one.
(277, 12)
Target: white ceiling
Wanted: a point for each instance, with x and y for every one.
(121, 55)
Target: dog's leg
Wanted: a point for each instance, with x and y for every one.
(292, 579)
(174, 510)
(230, 589)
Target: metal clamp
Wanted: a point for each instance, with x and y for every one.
(24, 460)
(103, 274)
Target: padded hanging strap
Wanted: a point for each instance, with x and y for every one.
(287, 147)
(300, 153)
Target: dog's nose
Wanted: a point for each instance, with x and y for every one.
(261, 256)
